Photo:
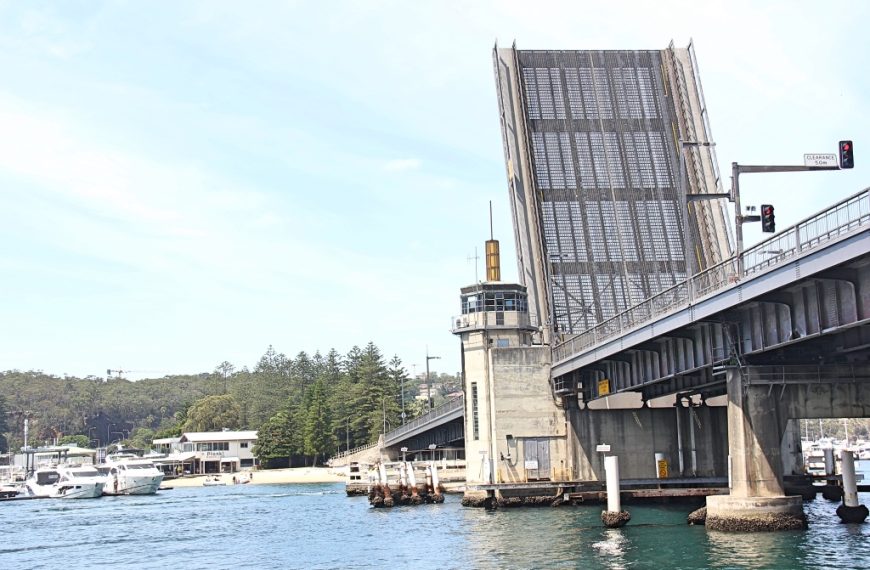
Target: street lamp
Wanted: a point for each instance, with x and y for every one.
(428, 385)
(432, 447)
(402, 389)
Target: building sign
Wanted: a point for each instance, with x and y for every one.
(531, 464)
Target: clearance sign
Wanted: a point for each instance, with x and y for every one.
(603, 387)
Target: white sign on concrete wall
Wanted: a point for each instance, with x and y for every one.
(531, 463)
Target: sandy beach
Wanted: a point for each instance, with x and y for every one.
(267, 477)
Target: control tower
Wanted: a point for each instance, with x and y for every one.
(514, 431)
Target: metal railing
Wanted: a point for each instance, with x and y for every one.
(490, 319)
(343, 454)
(442, 410)
(840, 219)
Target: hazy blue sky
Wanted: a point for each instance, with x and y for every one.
(183, 183)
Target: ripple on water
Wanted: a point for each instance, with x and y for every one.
(316, 526)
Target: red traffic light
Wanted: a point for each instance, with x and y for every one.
(768, 220)
(847, 156)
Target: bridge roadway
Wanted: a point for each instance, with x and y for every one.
(800, 298)
(443, 426)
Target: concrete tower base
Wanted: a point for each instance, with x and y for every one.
(737, 514)
(474, 499)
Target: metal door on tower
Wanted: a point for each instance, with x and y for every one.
(536, 458)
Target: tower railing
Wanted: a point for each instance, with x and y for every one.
(840, 219)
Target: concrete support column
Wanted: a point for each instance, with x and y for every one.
(757, 500)
(754, 437)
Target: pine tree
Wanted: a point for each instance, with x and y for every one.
(319, 439)
(275, 440)
(398, 379)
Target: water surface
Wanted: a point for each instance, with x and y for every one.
(317, 526)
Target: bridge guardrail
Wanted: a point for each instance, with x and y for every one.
(343, 454)
(442, 410)
(841, 218)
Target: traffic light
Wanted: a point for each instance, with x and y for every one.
(768, 220)
(847, 157)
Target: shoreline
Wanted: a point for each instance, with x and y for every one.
(265, 477)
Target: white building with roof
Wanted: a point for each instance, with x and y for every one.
(210, 451)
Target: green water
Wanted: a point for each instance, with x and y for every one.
(317, 526)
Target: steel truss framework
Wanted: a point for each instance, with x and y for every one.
(601, 132)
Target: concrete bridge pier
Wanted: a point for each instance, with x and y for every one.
(756, 425)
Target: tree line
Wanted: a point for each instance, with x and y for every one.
(305, 408)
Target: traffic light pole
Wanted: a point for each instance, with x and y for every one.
(739, 218)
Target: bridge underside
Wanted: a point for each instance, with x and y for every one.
(820, 320)
(443, 427)
(450, 434)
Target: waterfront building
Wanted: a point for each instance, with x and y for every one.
(209, 452)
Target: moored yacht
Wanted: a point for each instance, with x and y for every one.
(65, 482)
(129, 474)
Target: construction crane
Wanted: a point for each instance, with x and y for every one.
(117, 373)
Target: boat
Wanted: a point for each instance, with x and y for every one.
(7, 491)
(10, 481)
(213, 482)
(65, 482)
(129, 474)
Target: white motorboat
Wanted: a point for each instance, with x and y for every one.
(129, 474)
(10, 481)
(65, 482)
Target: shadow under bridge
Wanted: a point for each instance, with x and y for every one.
(444, 426)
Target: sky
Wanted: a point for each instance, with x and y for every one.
(187, 183)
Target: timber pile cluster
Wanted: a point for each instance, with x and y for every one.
(405, 491)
